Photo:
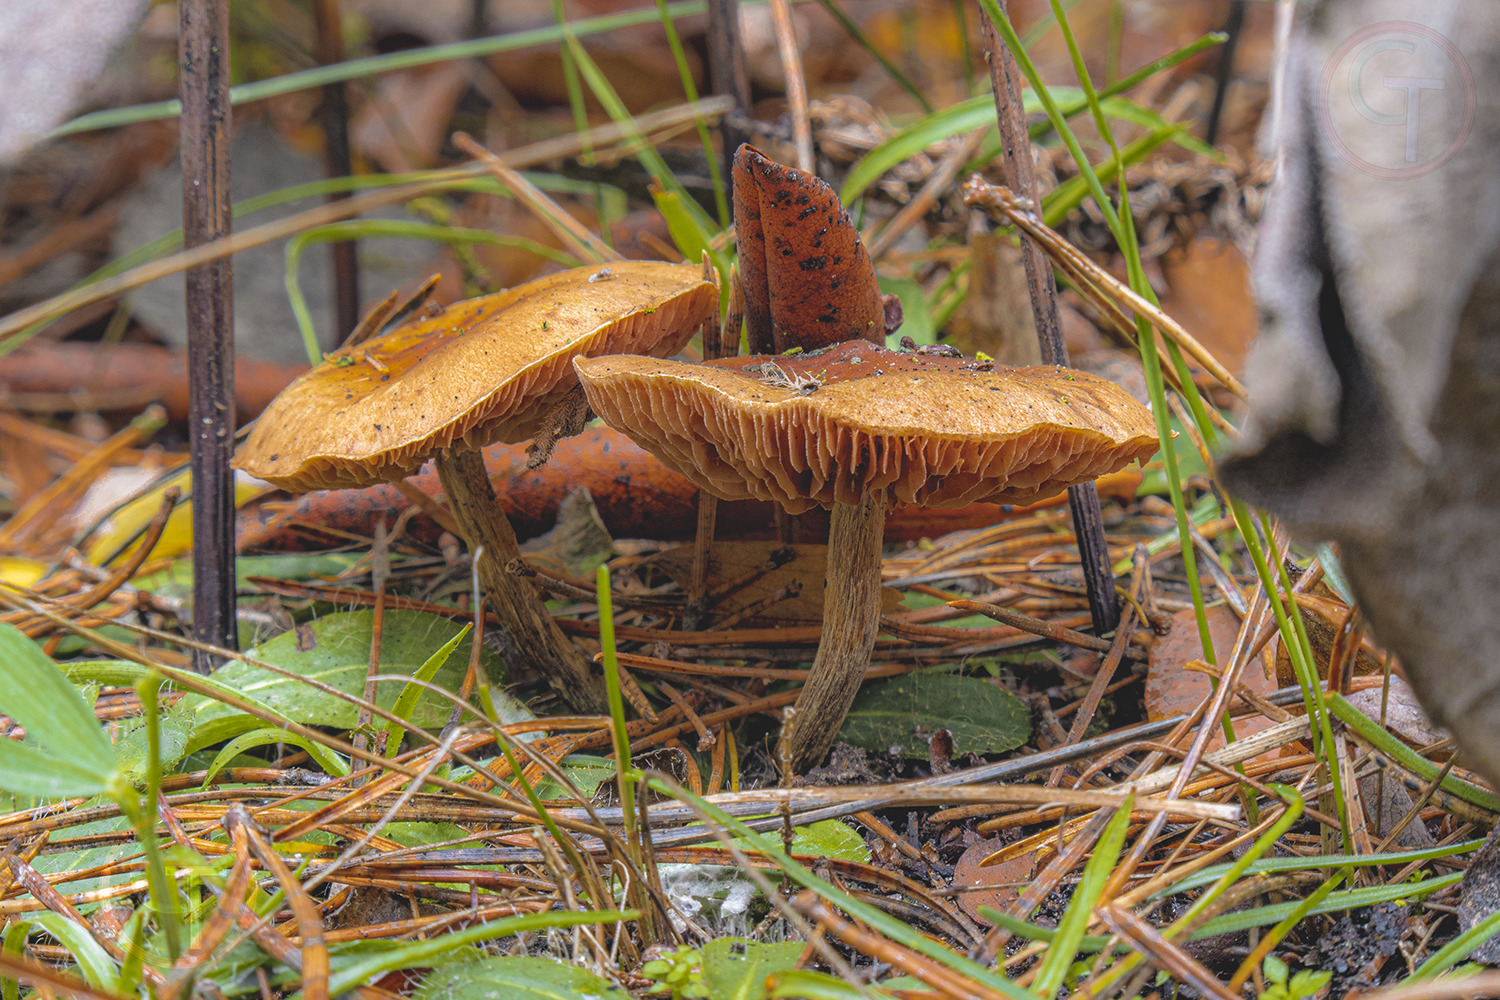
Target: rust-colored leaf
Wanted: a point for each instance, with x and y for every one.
(1172, 688)
(808, 280)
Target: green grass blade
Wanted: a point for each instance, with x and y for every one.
(858, 36)
(354, 69)
(1075, 920)
(412, 691)
(625, 773)
(690, 91)
(879, 920)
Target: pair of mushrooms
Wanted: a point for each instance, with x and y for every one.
(854, 427)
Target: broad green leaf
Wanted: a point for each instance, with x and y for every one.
(736, 969)
(130, 750)
(587, 771)
(424, 834)
(427, 953)
(330, 762)
(515, 977)
(335, 650)
(982, 717)
(38, 696)
(99, 970)
(28, 769)
(827, 838)
(207, 728)
(91, 857)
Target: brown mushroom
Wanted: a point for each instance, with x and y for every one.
(856, 427)
(446, 384)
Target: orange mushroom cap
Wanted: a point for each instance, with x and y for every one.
(827, 427)
(479, 371)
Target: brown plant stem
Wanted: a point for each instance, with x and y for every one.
(851, 618)
(337, 162)
(203, 58)
(529, 635)
(1020, 176)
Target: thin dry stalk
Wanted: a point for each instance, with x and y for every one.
(796, 84)
(1005, 204)
(553, 215)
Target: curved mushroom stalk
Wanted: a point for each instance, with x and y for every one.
(530, 634)
(851, 619)
(496, 368)
(848, 427)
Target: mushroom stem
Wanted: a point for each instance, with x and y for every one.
(530, 634)
(851, 618)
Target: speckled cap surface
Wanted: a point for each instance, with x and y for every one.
(479, 371)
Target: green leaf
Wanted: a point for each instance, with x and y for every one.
(406, 701)
(916, 310)
(982, 717)
(92, 858)
(335, 650)
(330, 762)
(805, 983)
(514, 977)
(736, 969)
(41, 699)
(426, 953)
(99, 970)
(586, 771)
(130, 751)
(28, 769)
(827, 838)
(426, 834)
(1275, 969)
(206, 729)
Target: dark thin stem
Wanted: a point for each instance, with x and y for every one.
(204, 83)
(337, 163)
(1020, 176)
(728, 75)
(1234, 26)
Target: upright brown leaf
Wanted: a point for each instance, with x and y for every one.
(807, 278)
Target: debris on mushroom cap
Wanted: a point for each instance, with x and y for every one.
(483, 370)
(826, 427)
(808, 280)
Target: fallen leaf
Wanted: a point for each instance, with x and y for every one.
(808, 280)
(1173, 689)
(1002, 882)
(893, 715)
